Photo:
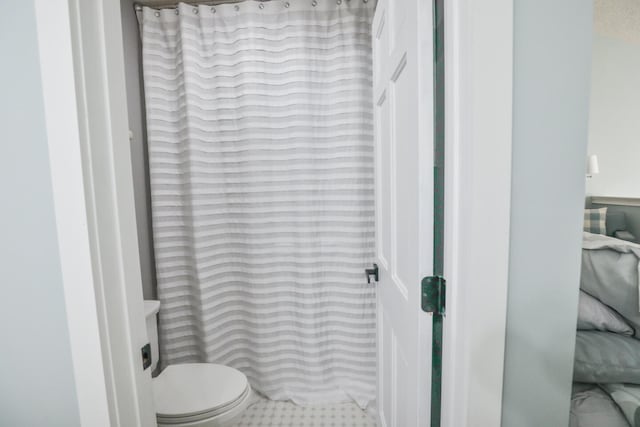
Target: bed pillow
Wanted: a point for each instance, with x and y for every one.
(604, 357)
(595, 221)
(593, 315)
(612, 278)
(616, 221)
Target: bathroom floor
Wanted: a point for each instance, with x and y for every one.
(268, 413)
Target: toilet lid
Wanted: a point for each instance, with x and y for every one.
(197, 388)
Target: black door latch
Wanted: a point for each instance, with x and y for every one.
(372, 272)
(146, 356)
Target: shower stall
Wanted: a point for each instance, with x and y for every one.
(260, 171)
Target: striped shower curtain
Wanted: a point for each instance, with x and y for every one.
(260, 135)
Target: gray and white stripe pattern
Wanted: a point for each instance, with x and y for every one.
(260, 134)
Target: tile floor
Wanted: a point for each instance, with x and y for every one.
(267, 413)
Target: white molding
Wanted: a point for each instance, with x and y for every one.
(58, 87)
(454, 399)
(618, 201)
(100, 82)
(479, 75)
(82, 68)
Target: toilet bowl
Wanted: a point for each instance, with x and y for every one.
(200, 394)
(195, 394)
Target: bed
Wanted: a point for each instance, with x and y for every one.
(606, 389)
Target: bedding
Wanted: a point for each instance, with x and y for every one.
(605, 357)
(610, 273)
(607, 352)
(592, 407)
(594, 315)
(627, 397)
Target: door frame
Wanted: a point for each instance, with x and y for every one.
(82, 71)
(63, 139)
(103, 291)
(478, 139)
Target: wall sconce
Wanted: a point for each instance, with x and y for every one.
(592, 166)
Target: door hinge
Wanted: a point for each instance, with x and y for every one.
(434, 294)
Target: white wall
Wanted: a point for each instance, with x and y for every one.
(614, 122)
(552, 57)
(36, 371)
(140, 164)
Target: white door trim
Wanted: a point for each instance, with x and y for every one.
(82, 68)
(479, 74)
(65, 158)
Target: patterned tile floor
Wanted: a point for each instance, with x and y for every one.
(267, 413)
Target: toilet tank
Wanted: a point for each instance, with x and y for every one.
(151, 309)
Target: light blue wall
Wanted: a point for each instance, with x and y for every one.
(36, 374)
(552, 59)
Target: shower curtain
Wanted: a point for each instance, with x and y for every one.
(260, 135)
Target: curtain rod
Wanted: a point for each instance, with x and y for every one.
(172, 4)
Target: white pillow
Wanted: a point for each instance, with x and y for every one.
(593, 315)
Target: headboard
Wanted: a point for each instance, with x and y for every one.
(623, 214)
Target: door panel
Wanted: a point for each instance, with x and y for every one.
(403, 100)
(383, 165)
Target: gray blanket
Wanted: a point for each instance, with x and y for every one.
(627, 396)
(605, 357)
(611, 273)
(592, 407)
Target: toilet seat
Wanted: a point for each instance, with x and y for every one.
(195, 392)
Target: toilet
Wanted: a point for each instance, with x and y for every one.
(195, 394)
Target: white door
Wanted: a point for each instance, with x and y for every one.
(403, 101)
